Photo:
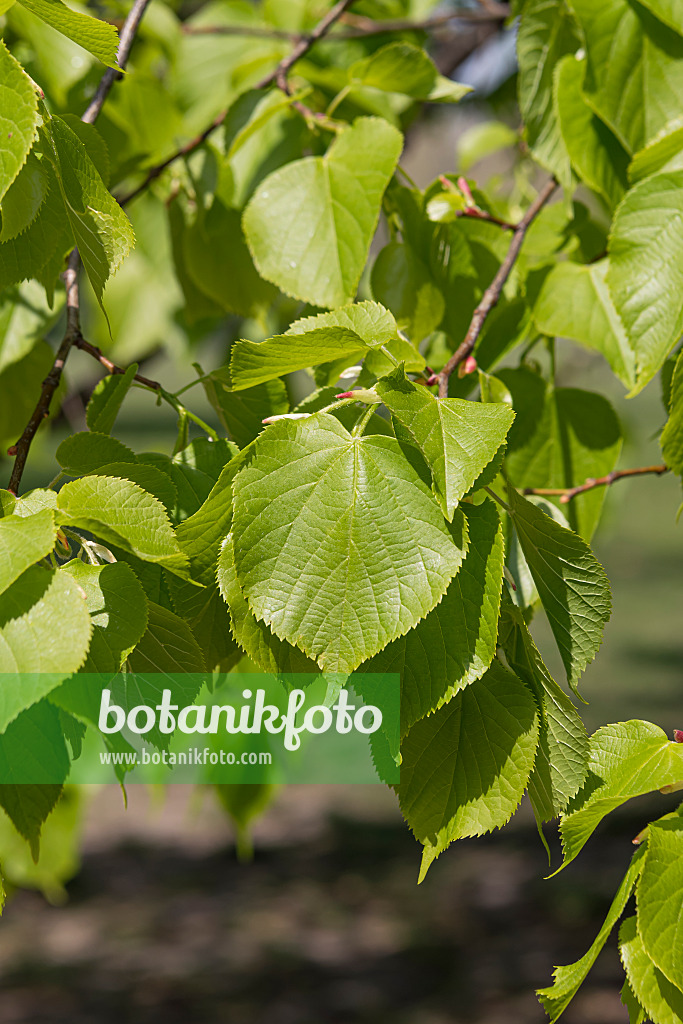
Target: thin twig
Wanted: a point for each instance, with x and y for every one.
(566, 494)
(70, 276)
(153, 385)
(278, 75)
(358, 26)
(110, 367)
(493, 292)
(111, 75)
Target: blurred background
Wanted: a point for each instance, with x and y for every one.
(161, 923)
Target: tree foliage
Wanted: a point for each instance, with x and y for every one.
(434, 488)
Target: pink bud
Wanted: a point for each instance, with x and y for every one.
(345, 394)
(467, 367)
(466, 190)
(678, 735)
(12, 450)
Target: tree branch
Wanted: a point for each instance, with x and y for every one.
(278, 75)
(70, 275)
(566, 494)
(360, 26)
(493, 292)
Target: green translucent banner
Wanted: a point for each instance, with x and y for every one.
(194, 728)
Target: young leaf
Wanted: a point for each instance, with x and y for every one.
(352, 514)
(407, 69)
(465, 768)
(626, 760)
(547, 31)
(635, 72)
(457, 438)
(578, 437)
(374, 325)
(575, 302)
(45, 632)
(24, 541)
(18, 118)
(596, 154)
(562, 757)
(568, 980)
(121, 513)
(118, 609)
(88, 451)
(645, 273)
(167, 646)
(254, 363)
(242, 413)
(24, 198)
(672, 435)
(455, 644)
(309, 224)
(571, 583)
(98, 37)
(102, 231)
(107, 399)
(268, 652)
(660, 897)
(662, 1001)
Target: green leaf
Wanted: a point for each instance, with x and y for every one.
(668, 11)
(242, 413)
(645, 272)
(672, 435)
(352, 514)
(575, 302)
(24, 317)
(121, 513)
(18, 117)
(206, 614)
(253, 363)
(191, 486)
(578, 437)
(107, 399)
(154, 481)
(626, 760)
(88, 451)
(465, 768)
(40, 250)
(201, 536)
(457, 438)
(562, 756)
(455, 644)
(23, 542)
(98, 37)
(402, 282)
(636, 1014)
(218, 261)
(596, 154)
(568, 980)
(267, 651)
(660, 897)
(102, 231)
(662, 1001)
(30, 799)
(407, 69)
(634, 76)
(309, 225)
(45, 632)
(663, 153)
(24, 198)
(167, 646)
(118, 609)
(571, 583)
(546, 33)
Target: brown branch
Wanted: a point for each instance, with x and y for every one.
(566, 494)
(51, 382)
(359, 26)
(492, 294)
(96, 353)
(70, 275)
(278, 75)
